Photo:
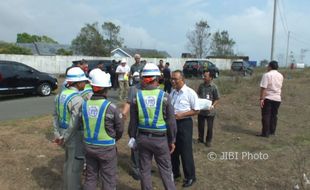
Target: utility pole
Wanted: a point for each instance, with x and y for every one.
(273, 28)
(287, 48)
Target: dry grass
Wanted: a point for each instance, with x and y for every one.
(30, 161)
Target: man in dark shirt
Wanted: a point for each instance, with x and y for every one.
(207, 90)
(167, 77)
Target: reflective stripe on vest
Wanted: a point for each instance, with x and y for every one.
(62, 107)
(150, 103)
(94, 113)
(88, 89)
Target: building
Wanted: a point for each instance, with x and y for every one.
(130, 52)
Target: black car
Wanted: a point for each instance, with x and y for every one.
(18, 78)
(242, 68)
(197, 67)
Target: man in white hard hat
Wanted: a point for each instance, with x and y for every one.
(68, 124)
(153, 124)
(123, 73)
(103, 126)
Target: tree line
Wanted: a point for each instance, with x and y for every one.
(99, 40)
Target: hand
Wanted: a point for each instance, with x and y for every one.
(171, 147)
(261, 103)
(211, 107)
(178, 116)
(132, 143)
(59, 141)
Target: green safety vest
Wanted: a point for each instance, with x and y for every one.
(62, 106)
(88, 89)
(94, 113)
(150, 110)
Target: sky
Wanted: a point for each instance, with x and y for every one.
(163, 25)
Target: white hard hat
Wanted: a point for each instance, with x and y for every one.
(76, 74)
(136, 74)
(123, 60)
(101, 79)
(93, 71)
(150, 69)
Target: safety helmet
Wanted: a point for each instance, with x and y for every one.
(101, 79)
(76, 74)
(136, 74)
(93, 71)
(123, 60)
(150, 69)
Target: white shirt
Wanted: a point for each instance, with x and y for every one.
(272, 82)
(184, 100)
(122, 69)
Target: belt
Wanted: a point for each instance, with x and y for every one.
(152, 134)
(184, 119)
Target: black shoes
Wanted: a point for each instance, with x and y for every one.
(189, 182)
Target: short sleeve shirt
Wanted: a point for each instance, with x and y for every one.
(184, 100)
(209, 92)
(122, 69)
(136, 68)
(272, 82)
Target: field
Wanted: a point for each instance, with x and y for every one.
(29, 160)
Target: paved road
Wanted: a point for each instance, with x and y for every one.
(19, 107)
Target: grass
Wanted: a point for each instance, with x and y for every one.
(23, 142)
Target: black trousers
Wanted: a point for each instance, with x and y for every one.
(201, 127)
(167, 86)
(269, 117)
(184, 150)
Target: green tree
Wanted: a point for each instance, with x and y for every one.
(222, 44)
(8, 48)
(27, 38)
(112, 36)
(198, 39)
(89, 41)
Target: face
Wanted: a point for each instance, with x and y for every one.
(137, 58)
(81, 85)
(84, 67)
(177, 80)
(206, 77)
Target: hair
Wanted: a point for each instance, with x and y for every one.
(211, 73)
(180, 72)
(167, 63)
(137, 56)
(273, 65)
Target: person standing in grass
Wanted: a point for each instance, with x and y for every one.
(68, 126)
(270, 98)
(207, 90)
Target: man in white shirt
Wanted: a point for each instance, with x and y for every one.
(270, 98)
(185, 103)
(123, 70)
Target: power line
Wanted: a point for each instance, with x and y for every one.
(284, 25)
(297, 39)
(284, 13)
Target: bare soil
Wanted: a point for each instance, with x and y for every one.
(29, 160)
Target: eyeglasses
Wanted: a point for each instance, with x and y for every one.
(174, 79)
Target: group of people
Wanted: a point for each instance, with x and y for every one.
(88, 125)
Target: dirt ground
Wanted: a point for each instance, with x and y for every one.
(29, 160)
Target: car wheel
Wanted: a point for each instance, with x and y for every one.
(45, 89)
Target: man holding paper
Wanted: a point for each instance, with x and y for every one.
(209, 97)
